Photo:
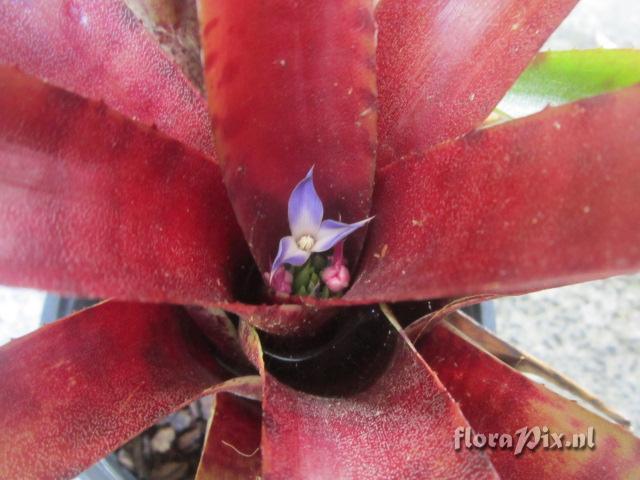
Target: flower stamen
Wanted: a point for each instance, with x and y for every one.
(306, 242)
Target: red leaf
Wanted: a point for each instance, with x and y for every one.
(400, 428)
(101, 206)
(496, 399)
(291, 86)
(443, 65)
(248, 386)
(223, 335)
(415, 327)
(75, 390)
(174, 25)
(100, 50)
(535, 203)
(287, 319)
(231, 449)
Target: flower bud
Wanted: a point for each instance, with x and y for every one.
(336, 277)
(281, 281)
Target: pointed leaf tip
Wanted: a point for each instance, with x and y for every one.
(444, 65)
(100, 50)
(60, 385)
(535, 203)
(298, 90)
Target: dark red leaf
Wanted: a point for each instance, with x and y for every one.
(95, 204)
(496, 399)
(535, 203)
(400, 428)
(248, 386)
(444, 64)
(223, 334)
(75, 390)
(100, 50)
(289, 319)
(232, 446)
(291, 85)
(313, 314)
(416, 327)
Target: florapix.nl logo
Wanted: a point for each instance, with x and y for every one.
(525, 438)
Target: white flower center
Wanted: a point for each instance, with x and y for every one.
(306, 242)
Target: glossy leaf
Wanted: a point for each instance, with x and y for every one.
(100, 50)
(291, 85)
(497, 399)
(444, 64)
(400, 428)
(75, 390)
(535, 203)
(554, 78)
(232, 447)
(98, 205)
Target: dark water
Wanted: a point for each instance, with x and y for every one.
(344, 359)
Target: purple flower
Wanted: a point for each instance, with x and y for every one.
(309, 233)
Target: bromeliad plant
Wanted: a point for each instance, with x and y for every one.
(110, 186)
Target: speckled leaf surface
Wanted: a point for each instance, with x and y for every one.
(174, 25)
(444, 64)
(539, 202)
(290, 85)
(399, 428)
(75, 390)
(497, 399)
(555, 78)
(232, 447)
(98, 205)
(286, 319)
(100, 50)
(223, 334)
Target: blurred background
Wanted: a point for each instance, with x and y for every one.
(589, 332)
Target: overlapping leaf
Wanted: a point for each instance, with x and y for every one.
(535, 203)
(174, 24)
(287, 91)
(444, 64)
(399, 428)
(98, 205)
(94, 203)
(232, 446)
(75, 390)
(496, 399)
(100, 50)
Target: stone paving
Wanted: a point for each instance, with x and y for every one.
(590, 332)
